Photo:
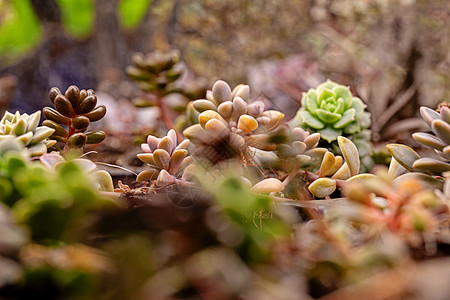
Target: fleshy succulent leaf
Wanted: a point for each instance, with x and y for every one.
(322, 187)
(404, 155)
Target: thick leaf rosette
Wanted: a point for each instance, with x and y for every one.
(331, 110)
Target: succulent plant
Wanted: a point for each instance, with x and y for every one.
(406, 159)
(24, 128)
(333, 111)
(155, 72)
(406, 207)
(46, 201)
(228, 125)
(102, 179)
(74, 109)
(341, 169)
(166, 159)
(439, 123)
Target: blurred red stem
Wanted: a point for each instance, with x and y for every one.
(165, 115)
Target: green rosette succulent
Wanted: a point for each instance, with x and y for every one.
(331, 110)
(24, 128)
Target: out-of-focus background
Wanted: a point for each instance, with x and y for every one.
(394, 54)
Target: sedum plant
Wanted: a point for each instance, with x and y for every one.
(48, 202)
(24, 128)
(166, 159)
(227, 124)
(404, 206)
(333, 111)
(406, 159)
(155, 72)
(74, 110)
(336, 171)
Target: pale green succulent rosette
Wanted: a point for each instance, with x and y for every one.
(331, 110)
(24, 128)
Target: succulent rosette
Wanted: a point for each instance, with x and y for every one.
(331, 110)
(75, 110)
(24, 128)
(166, 159)
(227, 125)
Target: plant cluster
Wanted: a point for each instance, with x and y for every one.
(217, 204)
(24, 128)
(333, 111)
(75, 109)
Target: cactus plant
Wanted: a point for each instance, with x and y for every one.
(166, 159)
(75, 109)
(25, 129)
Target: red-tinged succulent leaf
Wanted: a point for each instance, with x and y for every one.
(63, 105)
(83, 94)
(54, 115)
(73, 95)
(59, 130)
(77, 141)
(80, 123)
(87, 105)
(95, 137)
(53, 93)
(59, 138)
(96, 114)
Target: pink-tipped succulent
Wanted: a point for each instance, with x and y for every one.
(228, 124)
(166, 159)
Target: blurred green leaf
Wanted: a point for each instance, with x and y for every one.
(132, 12)
(78, 16)
(20, 30)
